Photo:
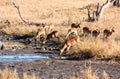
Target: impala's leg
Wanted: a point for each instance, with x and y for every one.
(35, 41)
(62, 50)
(78, 40)
(68, 47)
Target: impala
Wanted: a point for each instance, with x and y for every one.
(108, 32)
(69, 43)
(95, 33)
(52, 35)
(73, 25)
(49, 26)
(40, 32)
(86, 31)
(70, 31)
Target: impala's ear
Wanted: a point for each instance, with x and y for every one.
(79, 24)
(113, 29)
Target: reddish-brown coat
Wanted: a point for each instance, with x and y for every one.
(40, 32)
(69, 43)
(71, 30)
(52, 34)
(108, 32)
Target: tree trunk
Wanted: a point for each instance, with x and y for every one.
(99, 11)
(116, 3)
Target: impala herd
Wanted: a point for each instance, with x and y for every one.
(72, 36)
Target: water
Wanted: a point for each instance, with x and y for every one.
(22, 57)
(27, 57)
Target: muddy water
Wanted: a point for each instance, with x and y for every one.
(21, 57)
(27, 57)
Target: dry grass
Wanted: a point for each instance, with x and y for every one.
(96, 48)
(20, 30)
(87, 74)
(12, 74)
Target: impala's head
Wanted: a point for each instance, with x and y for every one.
(73, 25)
(43, 24)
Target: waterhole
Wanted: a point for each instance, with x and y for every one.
(26, 57)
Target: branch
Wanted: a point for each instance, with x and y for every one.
(99, 11)
(104, 6)
(28, 23)
(116, 3)
(89, 18)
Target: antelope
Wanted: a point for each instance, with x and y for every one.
(40, 32)
(69, 43)
(52, 35)
(49, 26)
(108, 32)
(86, 31)
(73, 25)
(95, 33)
(70, 31)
